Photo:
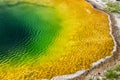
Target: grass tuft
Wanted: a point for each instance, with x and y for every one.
(111, 74)
(117, 68)
(113, 7)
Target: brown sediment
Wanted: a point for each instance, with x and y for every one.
(109, 62)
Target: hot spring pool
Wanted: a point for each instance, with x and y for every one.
(43, 39)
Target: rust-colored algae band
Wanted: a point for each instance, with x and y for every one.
(54, 37)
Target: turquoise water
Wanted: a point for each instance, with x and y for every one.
(26, 30)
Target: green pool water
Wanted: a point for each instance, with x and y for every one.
(26, 31)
